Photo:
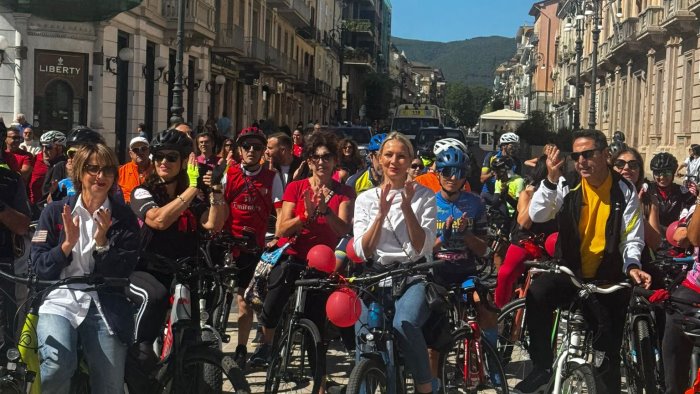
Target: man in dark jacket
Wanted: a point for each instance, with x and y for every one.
(604, 237)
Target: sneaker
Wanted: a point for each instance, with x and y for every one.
(261, 355)
(241, 356)
(258, 336)
(536, 382)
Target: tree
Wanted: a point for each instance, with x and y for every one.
(535, 130)
(466, 103)
(378, 95)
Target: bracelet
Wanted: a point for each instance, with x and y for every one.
(216, 201)
(181, 199)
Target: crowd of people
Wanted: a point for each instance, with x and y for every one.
(295, 191)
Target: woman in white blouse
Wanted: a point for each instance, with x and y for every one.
(395, 222)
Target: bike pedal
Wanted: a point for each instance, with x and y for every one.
(225, 338)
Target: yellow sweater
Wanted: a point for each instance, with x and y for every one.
(595, 210)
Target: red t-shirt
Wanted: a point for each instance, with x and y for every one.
(250, 201)
(20, 159)
(297, 150)
(36, 182)
(9, 159)
(318, 232)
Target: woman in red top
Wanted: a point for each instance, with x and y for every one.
(319, 211)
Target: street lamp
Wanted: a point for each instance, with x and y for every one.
(594, 60)
(177, 108)
(338, 31)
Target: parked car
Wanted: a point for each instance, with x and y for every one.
(426, 137)
(361, 135)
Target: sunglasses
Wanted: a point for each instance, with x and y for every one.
(94, 169)
(143, 149)
(663, 173)
(47, 147)
(633, 164)
(417, 166)
(228, 145)
(256, 147)
(171, 157)
(587, 154)
(449, 172)
(71, 153)
(318, 158)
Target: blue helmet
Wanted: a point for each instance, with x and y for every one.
(376, 142)
(452, 157)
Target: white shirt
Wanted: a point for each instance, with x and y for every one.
(33, 146)
(389, 249)
(285, 174)
(71, 303)
(693, 167)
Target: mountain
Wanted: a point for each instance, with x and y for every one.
(471, 61)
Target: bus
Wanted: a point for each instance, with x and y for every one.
(409, 118)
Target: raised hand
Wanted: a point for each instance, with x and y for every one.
(309, 204)
(192, 170)
(385, 201)
(447, 230)
(463, 223)
(103, 221)
(407, 195)
(554, 165)
(322, 194)
(71, 229)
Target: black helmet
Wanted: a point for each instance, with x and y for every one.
(80, 135)
(501, 163)
(618, 136)
(663, 161)
(617, 146)
(696, 149)
(174, 140)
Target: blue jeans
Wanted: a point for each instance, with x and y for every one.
(411, 314)
(58, 352)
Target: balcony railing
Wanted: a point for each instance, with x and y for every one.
(256, 49)
(672, 8)
(693, 5)
(302, 9)
(679, 18)
(199, 15)
(359, 26)
(272, 58)
(358, 57)
(626, 33)
(650, 19)
(231, 37)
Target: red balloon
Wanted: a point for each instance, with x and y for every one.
(322, 258)
(550, 243)
(670, 230)
(343, 307)
(350, 251)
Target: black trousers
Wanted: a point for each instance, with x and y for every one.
(677, 347)
(551, 291)
(9, 328)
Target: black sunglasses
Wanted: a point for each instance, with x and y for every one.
(47, 147)
(633, 164)
(256, 147)
(94, 169)
(449, 172)
(143, 149)
(325, 157)
(663, 173)
(587, 154)
(417, 166)
(171, 157)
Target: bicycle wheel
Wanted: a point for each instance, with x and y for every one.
(644, 374)
(298, 361)
(579, 379)
(368, 376)
(513, 341)
(211, 375)
(191, 378)
(469, 367)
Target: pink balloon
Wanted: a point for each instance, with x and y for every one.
(343, 307)
(322, 258)
(550, 243)
(670, 230)
(350, 251)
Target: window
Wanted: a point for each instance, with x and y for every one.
(687, 94)
(658, 106)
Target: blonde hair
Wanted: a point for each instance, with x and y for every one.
(395, 135)
(105, 158)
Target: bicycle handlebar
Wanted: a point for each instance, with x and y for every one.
(405, 268)
(92, 280)
(539, 266)
(642, 292)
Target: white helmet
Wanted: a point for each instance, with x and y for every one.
(53, 137)
(509, 138)
(445, 143)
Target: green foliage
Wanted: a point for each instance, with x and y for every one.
(466, 103)
(536, 131)
(379, 94)
(471, 62)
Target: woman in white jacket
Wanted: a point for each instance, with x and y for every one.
(395, 222)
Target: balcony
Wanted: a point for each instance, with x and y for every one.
(296, 12)
(650, 29)
(359, 26)
(358, 58)
(199, 20)
(272, 60)
(310, 33)
(230, 40)
(624, 42)
(679, 19)
(694, 6)
(255, 51)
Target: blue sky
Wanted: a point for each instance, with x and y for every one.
(453, 20)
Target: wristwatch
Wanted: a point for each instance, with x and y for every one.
(101, 249)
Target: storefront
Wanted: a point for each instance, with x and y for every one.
(60, 89)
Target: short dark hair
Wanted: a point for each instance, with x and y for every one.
(600, 140)
(204, 134)
(322, 138)
(283, 139)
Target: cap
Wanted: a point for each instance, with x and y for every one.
(137, 140)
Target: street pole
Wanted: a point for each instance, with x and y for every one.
(341, 60)
(177, 109)
(594, 64)
(579, 54)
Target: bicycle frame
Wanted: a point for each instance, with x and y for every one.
(575, 349)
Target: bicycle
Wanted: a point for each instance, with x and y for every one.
(380, 364)
(573, 364)
(473, 363)
(191, 356)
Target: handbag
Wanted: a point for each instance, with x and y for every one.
(436, 297)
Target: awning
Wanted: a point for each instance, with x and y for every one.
(72, 10)
(504, 114)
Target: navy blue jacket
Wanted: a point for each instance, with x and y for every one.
(48, 259)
